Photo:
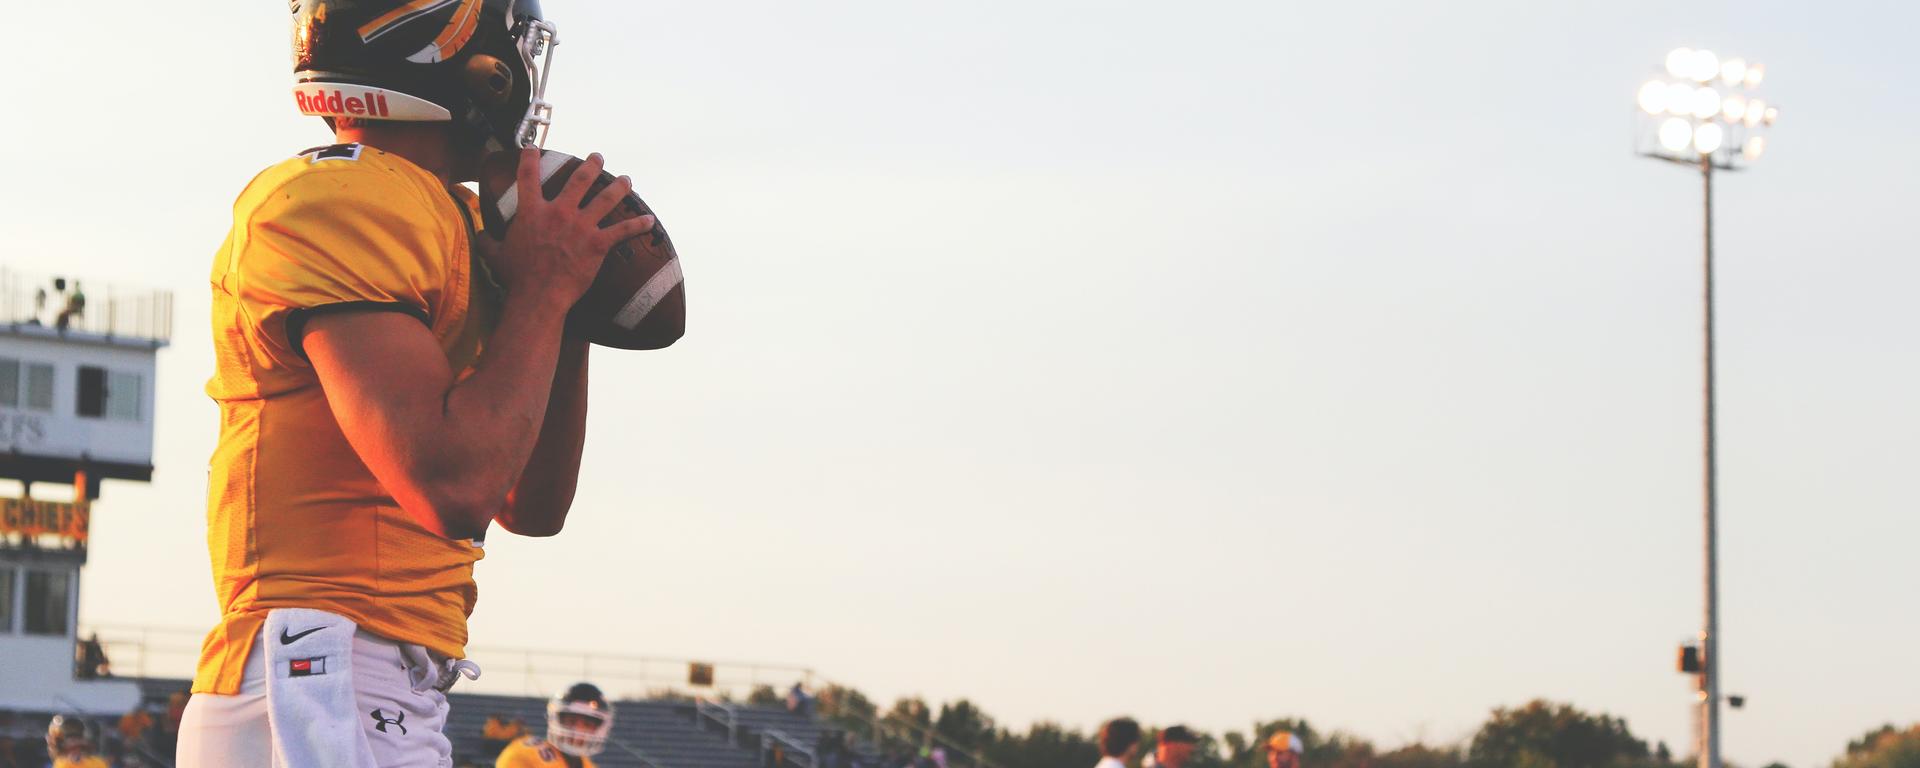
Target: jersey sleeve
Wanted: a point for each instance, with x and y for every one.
(333, 241)
(525, 752)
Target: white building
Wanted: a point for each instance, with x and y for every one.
(76, 406)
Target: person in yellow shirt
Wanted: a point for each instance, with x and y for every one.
(579, 721)
(133, 725)
(391, 383)
(70, 744)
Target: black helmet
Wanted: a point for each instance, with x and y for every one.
(579, 721)
(482, 64)
(66, 733)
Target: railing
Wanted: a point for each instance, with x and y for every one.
(789, 747)
(172, 652)
(722, 714)
(882, 728)
(80, 305)
(636, 753)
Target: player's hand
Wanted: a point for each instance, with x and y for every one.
(554, 247)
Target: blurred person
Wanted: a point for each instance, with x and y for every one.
(70, 743)
(1119, 741)
(1284, 750)
(1173, 748)
(495, 735)
(578, 724)
(133, 726)
(516, 728)
(798, 701)
(170, 726)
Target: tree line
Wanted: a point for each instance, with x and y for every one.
(1538, 734)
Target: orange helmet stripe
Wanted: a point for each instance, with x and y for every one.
(393, 19)
(459, 30)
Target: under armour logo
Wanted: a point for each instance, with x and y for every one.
(381, 721)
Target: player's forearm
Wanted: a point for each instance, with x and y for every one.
(539, 502)
(490, 421)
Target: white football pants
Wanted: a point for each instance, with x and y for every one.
(320, 693)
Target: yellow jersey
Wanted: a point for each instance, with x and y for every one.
(90, 761)
(294, 519)
(532, 752)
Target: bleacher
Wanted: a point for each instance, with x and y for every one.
(665, 733)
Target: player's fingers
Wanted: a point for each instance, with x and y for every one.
(528, 175)
(608, 198)
(626, 228)
(575, 192)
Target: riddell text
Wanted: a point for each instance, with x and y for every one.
(338, 103)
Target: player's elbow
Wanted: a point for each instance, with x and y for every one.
(534, 526)
(456, 510)
(668, 330)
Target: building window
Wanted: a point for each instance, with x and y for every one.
(39, 387)
(6, 600)
(48, 595)
(123, 396)
(9, 382)
(108, 394)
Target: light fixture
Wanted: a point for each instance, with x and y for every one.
(1755, 146)
(1756, 111)
(1773, 113)
(1707, 137)
(1733, 71)
(1675, 134)
(1680, 62)
(1754, 73)
(1706, 103)
(1653, 97)
(1680, 99)
(1735, 109)
(1706, 66)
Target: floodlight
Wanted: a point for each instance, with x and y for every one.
(1755, 146)
(1733, 71)
(1707, 137)
(1754, 73)
(1675, 134)
(1680, 99)
(1706, 66)
(1653, 97)
(1773, 113)
(1734, 108)
(1756, 111)
(1706, 103)
(1680, 62)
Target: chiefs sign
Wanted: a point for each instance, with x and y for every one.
(32, 518)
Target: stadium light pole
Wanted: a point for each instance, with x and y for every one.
(1703, 113)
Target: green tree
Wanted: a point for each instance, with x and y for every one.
(1545, 735)
(1044, 745)
(1421, 756)
(1886, 747)
(764, 695)
(965, 725)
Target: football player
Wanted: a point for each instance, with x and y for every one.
(389, 383)
(70, 743)
(578, 722)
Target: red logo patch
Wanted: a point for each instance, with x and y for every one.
(307, 667)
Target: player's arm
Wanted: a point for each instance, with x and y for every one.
(450, 450)
(538, 504)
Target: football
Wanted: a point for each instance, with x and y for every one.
(637, 301)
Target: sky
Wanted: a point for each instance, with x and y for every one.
(1204, 362)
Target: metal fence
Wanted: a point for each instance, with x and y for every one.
(135, 651)
(80, 305)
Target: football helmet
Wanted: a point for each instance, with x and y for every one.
(579, 721)
(481, 64)
(67, 734)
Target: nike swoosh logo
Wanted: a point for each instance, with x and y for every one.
(286, 639)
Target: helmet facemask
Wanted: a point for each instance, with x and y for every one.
(536, 42)
(578, 741)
